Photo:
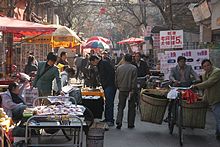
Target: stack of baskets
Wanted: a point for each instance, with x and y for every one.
(153, 105)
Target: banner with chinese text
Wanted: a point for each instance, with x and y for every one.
(171, 39)
(193, 58)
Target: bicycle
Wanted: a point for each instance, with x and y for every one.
(175, 111)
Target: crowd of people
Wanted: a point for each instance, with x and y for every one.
(111, 73)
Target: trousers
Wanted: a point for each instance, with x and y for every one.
(123, 96)
(109, 103)
(216, 112)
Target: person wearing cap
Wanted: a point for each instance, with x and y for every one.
(182, 74)
(47, 72)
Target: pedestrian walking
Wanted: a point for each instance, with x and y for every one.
(107, 76)
(126, 82)
(211, 85)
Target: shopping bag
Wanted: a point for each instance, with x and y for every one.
(30, 94)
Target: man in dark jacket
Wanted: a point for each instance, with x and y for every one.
(107, 78)
(141, 65)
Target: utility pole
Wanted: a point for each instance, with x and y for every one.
(171, 15)
(9, 40)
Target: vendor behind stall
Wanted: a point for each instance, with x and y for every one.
(12, 102)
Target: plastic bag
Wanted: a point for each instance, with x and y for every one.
(172, 94)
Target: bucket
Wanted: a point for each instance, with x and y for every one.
(95, 137)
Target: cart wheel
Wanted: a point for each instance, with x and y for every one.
(172, 117)
(180, 123)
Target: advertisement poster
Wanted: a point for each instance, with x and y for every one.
(171, 39)
(193, 58)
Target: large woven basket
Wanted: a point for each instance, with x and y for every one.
(194, 115)
(152, 107)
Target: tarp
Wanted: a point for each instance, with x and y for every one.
(26, 28)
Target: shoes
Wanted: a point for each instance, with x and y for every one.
(110, 124)
(218, 137)
(104, 120)
(118, 127)
(166, 119)
(131, 127)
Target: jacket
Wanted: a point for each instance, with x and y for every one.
(175, 75)
(211, 85)
(44, 82)
(106, 74)
(7, 103)
(126, 77)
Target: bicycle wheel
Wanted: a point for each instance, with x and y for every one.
(180, 124)
(172, 116)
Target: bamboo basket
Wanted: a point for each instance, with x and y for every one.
(194, 115)
(152, 107)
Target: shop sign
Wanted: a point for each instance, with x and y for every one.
(171, 39)
(193, 58)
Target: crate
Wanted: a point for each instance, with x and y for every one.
(152, 107)
(194, 115)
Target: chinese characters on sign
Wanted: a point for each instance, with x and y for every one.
(171, 39)
(193, 58)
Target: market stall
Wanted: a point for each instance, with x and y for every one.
(94, 100)
(10, 27)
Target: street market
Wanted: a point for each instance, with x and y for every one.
(109, 73)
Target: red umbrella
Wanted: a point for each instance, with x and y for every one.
(131, 40)
(99, 38)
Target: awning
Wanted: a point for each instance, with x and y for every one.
(26, 28)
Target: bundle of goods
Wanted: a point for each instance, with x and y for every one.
(60, 109)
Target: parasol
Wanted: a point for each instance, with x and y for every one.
(99, 38)
(96, 44)
(131, 40)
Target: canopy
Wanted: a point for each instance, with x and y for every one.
(131, 40)
(62, 37)
(24, 27)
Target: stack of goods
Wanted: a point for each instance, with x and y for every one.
(60, 109)
(5, 121)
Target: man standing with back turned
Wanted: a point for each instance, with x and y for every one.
(126, 82)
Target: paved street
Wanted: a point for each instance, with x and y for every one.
(151, 135)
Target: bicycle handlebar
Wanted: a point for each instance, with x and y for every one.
(180, 88)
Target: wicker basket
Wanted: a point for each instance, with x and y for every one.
(194, 115)
(152, 108)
